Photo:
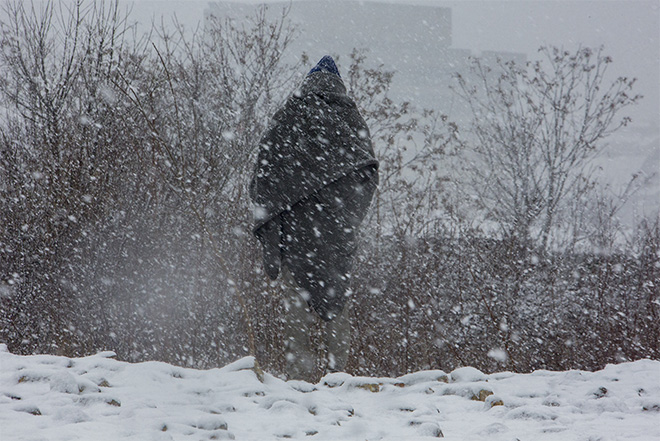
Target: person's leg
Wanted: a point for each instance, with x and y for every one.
(301, 357)
(337, 340)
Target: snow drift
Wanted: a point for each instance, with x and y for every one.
(100, 398)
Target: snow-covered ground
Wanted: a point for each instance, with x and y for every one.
(46, 397)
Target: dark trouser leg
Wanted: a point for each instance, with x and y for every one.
(337, 339)
(301, 357)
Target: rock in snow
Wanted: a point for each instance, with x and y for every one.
(98, 398)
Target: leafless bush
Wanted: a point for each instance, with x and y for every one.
(536, 129)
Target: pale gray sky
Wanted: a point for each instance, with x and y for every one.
(629, 30)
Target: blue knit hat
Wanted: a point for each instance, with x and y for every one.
(327, 64)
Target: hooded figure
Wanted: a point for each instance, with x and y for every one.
(313, 182)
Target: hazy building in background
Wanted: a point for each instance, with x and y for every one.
(413, 41)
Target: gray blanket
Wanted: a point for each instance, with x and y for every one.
(317, 137)
(314, 179)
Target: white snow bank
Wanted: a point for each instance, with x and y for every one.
(98, 398)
